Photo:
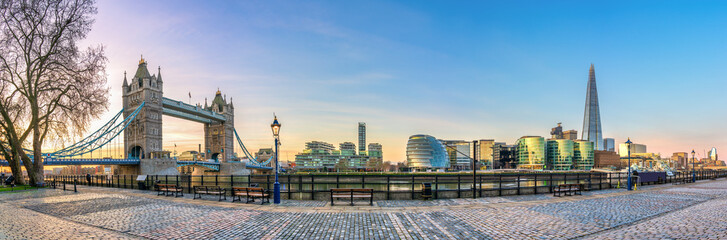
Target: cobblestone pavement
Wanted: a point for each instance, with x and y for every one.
(666, 211)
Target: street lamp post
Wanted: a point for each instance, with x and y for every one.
(276, 187)
(694, 174)
(628, 180)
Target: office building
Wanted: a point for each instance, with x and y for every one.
(592, 116)
(583, 155)
(504, 156)
(426, 152)
(458, 152)
(361, 137)
(681, 159)
(606, 159)
(559, 154)
(635, 148)
(609, 144)
(375, 150)
(531, 152)
(347, 148)
(570, 135)
(324, 156)
(484, 150)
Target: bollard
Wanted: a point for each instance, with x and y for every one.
(75, 181)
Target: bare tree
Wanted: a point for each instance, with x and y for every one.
(64, 88)
(341, 165)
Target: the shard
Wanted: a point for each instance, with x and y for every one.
(592, 116)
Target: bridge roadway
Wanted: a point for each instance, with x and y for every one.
(112, 161)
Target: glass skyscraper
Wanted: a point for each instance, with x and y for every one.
(560, 154)
(531, 152)
(592, 116)
(582, 155)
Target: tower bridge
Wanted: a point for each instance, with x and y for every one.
(143, 106)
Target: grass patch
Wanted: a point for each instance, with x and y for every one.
(16, 188)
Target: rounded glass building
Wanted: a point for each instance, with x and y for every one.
(560, 154)
(582, 155)
(531, 152)
(424, 151)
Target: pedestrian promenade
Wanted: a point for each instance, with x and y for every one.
(658, 211)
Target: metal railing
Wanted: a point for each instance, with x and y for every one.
(392, 186)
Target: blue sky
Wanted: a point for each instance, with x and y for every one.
(471, 70)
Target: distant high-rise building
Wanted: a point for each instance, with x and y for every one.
(609, 144)
(570, 135)
(713, 154)
(623, 149)
(361, 138)
(557, 132)
(592, 115)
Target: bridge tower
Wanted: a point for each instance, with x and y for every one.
(143, 135)
(219, 137)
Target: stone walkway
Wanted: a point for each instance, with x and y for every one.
(658, 211)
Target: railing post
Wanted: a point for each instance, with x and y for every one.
(189, 183)
(124, 181)
(216, 180)
(499, 189)
(550, 183)
(536, 183)
(288, 187)
(312, 188)
(338, 185)
(459, 188)
(300, 186)
(518, 184)
(436, 186)
(412, 186)
(388, 186)
(201, 179)
(363, 180)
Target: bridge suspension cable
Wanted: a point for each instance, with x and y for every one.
(100, 137)
(248, 155)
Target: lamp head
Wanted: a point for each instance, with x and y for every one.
(628, 141)
(275, 126)
(693, 152)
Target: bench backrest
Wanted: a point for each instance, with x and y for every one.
(366, 190)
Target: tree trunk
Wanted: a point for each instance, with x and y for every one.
(16, 170)
(36, 179)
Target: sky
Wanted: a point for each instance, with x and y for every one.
(457, 71)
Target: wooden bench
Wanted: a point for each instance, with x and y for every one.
(166, 189)
(352, 193)
(210, 190)
(568, 189)
(250, 192)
